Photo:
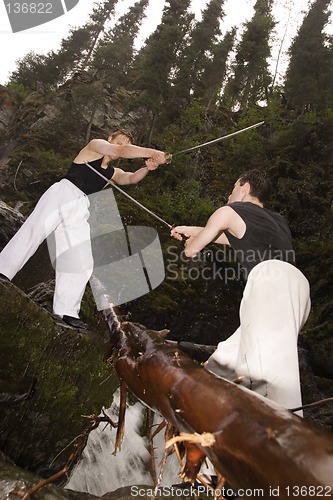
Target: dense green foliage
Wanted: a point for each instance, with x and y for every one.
(310, 72)
(250, 80)
(188, 84)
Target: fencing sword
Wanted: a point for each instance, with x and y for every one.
(214, 141)
(113, 184)
(170, 156)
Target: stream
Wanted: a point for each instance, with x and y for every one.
(100, 471)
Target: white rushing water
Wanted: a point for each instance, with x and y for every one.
(100, 472)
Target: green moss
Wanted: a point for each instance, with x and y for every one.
(323, 384)
(70, 373)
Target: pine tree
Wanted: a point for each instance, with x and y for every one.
(199, 53)
(115, 52)
(155, 63)
(76, 50)
(250, 78)
(214, 74)
(31, 69)
(308, 84)
(73, 56)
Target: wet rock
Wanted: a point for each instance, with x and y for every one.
(10, 221)
(15, 478)
(69, 370)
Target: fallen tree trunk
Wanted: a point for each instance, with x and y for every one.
(257, 445)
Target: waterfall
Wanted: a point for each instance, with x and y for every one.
(100, 472)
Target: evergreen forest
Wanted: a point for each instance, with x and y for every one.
(190, 83)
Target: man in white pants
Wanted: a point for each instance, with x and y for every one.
(276, 298)
(64, 211)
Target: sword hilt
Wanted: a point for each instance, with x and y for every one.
(184, 238)
(168, 157)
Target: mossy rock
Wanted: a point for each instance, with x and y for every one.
(70, 373)
(15, 478)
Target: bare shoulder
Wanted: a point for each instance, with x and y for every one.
(95, 144)
(224, 218)
(227, 218)
(224, 212)
(90, 151)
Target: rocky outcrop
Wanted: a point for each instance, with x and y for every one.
(64, 365)
(50, 374)
(7, 108)
(15, 478)
(10, 221)
(69, 371)
(12, 477)
(38, 269)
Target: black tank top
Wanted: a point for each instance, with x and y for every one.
(267, 236)
(85, 179)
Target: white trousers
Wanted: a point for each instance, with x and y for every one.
(274, 307)
(61, 215)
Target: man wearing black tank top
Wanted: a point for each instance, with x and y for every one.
(276, 300)
(63, 211)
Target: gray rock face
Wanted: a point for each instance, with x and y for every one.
(67, 366)
(10, 221)
(38, 269)
(50, 373)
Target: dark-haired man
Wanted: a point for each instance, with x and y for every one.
(64, 210)
(275, 302)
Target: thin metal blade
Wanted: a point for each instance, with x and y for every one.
(113, 184)
(139, 204)
(214, 141)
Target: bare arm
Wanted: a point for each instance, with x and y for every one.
(188, 231)
(123, 178)
(222, 219)
(104, 148)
